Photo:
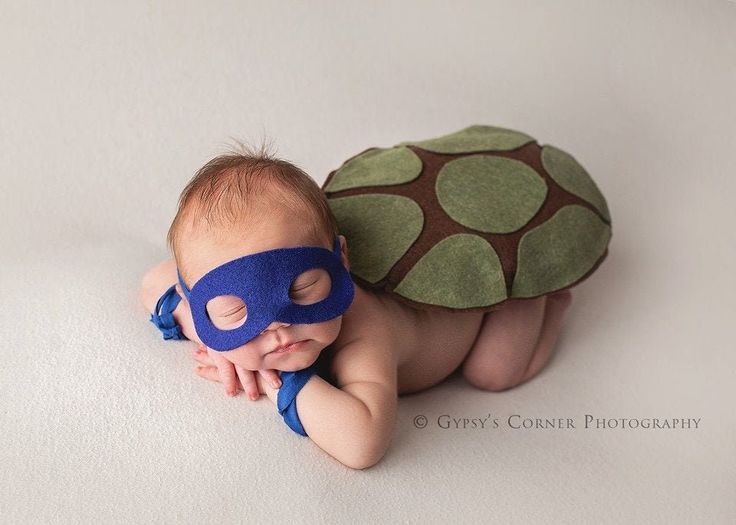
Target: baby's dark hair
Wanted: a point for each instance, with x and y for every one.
(225, 191)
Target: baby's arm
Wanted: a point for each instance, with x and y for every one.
(354, 421)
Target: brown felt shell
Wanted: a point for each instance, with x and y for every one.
(469, 220)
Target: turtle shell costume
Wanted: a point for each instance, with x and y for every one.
(469, 220)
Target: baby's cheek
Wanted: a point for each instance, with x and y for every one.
(328, 331)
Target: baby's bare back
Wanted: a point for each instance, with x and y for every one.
(428, 345)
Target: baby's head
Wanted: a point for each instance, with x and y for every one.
(243, 203)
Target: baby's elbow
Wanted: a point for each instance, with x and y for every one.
(154, 283)
(147, 290)
(366, 454)
(362, 461)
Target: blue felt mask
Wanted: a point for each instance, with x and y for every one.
(262, 280)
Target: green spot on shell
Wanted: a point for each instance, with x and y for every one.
(559, 251)
(376, 168)
(569, 174)
(475, 138)
(379, 230)
(461, 271)
(490, 194)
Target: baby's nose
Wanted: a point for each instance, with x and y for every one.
(275, 325)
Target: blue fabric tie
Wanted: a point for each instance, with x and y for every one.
(291, 384)
(163, 316)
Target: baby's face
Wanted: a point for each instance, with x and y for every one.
(203, 251)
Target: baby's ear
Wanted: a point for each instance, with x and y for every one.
(344, 252)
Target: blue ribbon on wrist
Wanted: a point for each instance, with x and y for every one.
(291, 384)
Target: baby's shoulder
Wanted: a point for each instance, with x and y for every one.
(368, 313)
(365, 358)
(376, 327)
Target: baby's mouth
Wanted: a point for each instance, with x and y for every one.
(290, 347)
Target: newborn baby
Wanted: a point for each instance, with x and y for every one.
(252, 222)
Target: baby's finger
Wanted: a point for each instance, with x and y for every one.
(227, 372)
(204, 358)
(271, 376)
(201, 349)
(248, 380)
(208, 372)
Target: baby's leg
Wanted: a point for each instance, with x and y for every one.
(515, 342)
(156, 281)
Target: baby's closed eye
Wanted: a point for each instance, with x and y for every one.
(227, 311)
(310, 287)
(233, 312)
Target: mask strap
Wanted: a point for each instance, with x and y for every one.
(183, 286)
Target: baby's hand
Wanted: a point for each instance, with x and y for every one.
(234, 377)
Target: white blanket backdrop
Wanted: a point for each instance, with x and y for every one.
(108, 108)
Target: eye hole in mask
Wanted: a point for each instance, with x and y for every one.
(310, 287)
(227, 312)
